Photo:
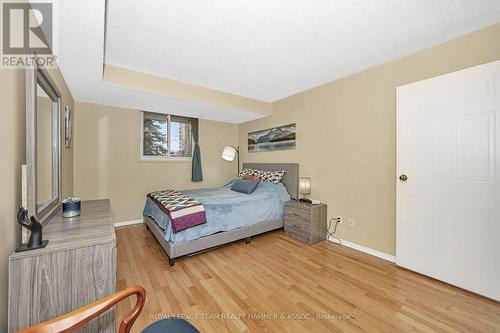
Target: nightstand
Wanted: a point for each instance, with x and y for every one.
(305, 222)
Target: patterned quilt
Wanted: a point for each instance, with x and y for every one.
(184, 211)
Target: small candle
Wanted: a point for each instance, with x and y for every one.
(71, 207)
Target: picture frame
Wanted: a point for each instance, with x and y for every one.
(68, 127)
(272, 139)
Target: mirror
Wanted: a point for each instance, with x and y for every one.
(43, 137)
(45, 109)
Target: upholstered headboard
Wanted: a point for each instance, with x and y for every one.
(291, 178)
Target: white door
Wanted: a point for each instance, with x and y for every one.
(448, 209)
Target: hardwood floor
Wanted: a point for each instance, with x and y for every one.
(277, 284)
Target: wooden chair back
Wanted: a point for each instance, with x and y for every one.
(73, 320)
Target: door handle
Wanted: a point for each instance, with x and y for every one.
(403, 178)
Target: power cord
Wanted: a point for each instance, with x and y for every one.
(333, 220)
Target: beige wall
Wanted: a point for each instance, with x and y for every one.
(12, 146)
(107, 163)
(346, 134)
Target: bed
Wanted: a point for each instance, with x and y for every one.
(231, 216)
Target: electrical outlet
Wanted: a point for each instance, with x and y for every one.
(340, 219)
(351, 222)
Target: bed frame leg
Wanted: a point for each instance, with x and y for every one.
(248, 240)
(171, 261)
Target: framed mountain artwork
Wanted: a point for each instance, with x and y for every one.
(271, 139)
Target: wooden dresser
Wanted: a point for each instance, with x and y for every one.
(305, 222)
(77, 267)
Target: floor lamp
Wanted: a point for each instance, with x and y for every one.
(229, 153)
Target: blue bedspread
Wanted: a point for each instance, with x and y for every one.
(225, 210)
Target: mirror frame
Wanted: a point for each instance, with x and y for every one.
(39, 76)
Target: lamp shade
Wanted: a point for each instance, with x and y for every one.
(304, 185)
(229, 153)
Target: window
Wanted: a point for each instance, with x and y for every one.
(166, 137)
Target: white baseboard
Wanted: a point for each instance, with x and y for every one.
(376, 253)
(126, 223)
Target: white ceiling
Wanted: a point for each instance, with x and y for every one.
(271, 49)
(262, 49)
(80, 54)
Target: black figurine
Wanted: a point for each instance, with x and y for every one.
(35, 241)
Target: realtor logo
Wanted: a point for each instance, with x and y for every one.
(27, 30)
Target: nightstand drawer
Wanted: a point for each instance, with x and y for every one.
(298, 226)
(298, 236)
(298, 229)
(297, 210)
(297, 216)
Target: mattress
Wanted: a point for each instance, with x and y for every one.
(225, 210)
